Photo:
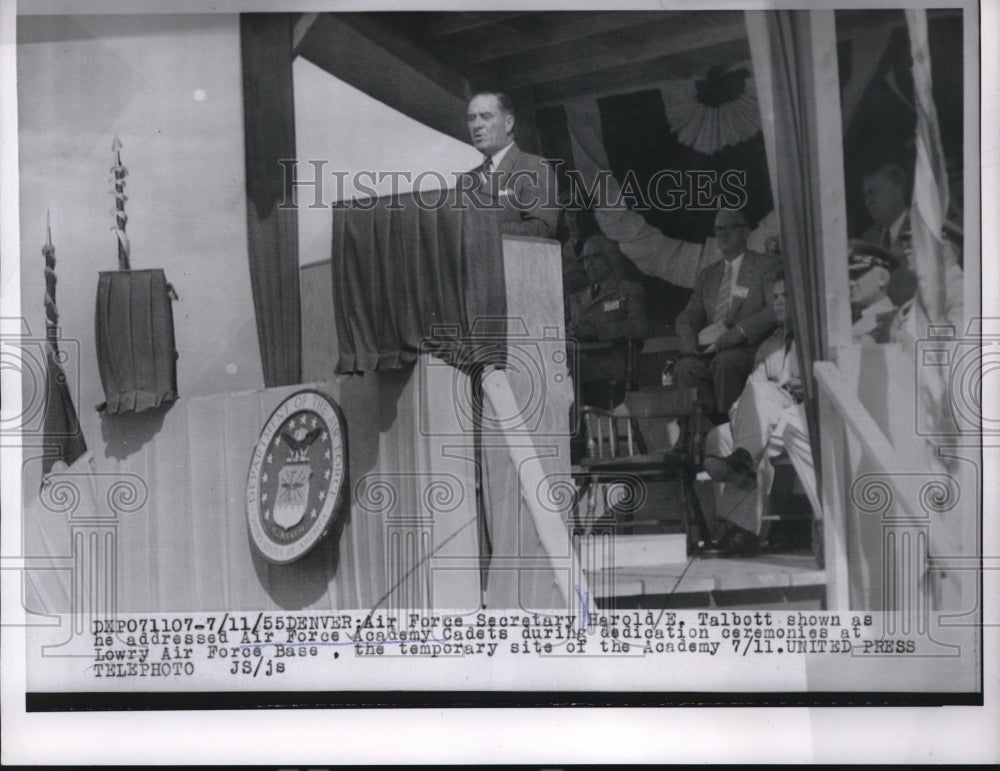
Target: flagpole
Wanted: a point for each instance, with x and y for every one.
(61, 427)
(121, 218)
(51, 310)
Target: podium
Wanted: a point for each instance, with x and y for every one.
(411, 538)
(433, 552)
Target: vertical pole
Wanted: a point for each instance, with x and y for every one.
(272, 222)
(482, 518)
(830, 176)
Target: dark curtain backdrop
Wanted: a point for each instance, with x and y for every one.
(554, 138)
(664, 300)
(799, 194)
(418, 275)
(272, 231)
(638, 138)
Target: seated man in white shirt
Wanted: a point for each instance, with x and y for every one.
(767, 420)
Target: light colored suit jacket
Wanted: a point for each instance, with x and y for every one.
(752, 312)
(525, 184)
(776, 360)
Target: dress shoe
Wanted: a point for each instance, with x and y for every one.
(736, 468)
(739, 542)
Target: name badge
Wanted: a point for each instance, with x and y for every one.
(612, 305)
(741, 292)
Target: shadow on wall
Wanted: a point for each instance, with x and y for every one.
(128, 432)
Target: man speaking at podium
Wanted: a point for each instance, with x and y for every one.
(522, 182)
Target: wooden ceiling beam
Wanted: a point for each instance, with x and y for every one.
(391, 70)
(302, 26)
(850, 22)
(607, 57)
(408, 51)
(633, 77)
(514, 42)
(456, 23)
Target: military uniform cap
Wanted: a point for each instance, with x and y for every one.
(865, 255)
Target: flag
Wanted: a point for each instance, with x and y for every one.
(61, 428)
(930, 182)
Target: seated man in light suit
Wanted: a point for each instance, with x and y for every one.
(768, 419)
(601, 318)
(523, 183)
(726, 318)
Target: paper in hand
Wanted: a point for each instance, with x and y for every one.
(711, 334)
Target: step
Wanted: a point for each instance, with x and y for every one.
(615, 552)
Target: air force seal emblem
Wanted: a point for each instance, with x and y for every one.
(297, 476)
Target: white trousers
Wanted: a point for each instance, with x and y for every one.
(766, 422)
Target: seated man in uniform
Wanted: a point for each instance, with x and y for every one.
(601, 318)
(768, 419)
(726, 318)
(870, 268)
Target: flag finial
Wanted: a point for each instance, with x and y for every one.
(48, 250)
(120, 172)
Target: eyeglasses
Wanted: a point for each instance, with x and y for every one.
(723, 230)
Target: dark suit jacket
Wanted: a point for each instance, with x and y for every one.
(525, 184)
(617, 312)
(875, 233)
(752, 312)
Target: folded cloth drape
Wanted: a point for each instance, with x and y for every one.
(135, 340)
(420, 272)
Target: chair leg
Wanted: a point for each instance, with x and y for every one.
(581, 491)
(699, 516)
(591, 489)
(692, 544)
(691, 437)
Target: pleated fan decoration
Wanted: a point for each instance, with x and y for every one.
(714, 112)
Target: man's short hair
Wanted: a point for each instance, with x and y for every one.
(893, 173)
(734, 212)
(776, 276)
(505, 102)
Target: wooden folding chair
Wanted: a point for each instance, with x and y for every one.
(617, 454)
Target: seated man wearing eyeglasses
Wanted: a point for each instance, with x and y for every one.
(726, 318)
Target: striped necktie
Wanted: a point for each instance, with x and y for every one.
(487, 168)
(725, 289)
